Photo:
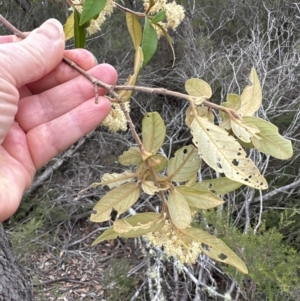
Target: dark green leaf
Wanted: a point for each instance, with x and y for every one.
(160, 16)
(149, 42)
(91, 9)
(79, 32)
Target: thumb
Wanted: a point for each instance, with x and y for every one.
(24, 62)
(32, 58)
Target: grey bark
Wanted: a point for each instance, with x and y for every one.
(15, 284)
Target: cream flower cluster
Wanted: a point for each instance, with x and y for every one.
(95, 25)
(174, 246)
(116, 120)
(174, 13)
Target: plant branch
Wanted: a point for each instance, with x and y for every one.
(127, 10)
(187, 97)
(12, 28)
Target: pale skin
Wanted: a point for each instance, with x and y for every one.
(45, 106)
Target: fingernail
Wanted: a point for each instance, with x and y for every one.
(51, 29)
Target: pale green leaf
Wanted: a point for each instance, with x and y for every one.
(108, 234)
(91, 9)
(220, 185)
(214, 248)
(242, 131)
(251, 96)
(233, 102)
(224, 154)
(116, 179)
(271, 142)
(157, 162)
(179, 210)
(153, 132)
(198, 88)
(139, 224)
(149, 187)
(132, 156)
(184, 165)
(199, 199)
(69, 27)
(192, 180)
(201, 111)
(120, 199)
(134, 29)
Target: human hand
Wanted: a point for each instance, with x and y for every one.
(45, 106)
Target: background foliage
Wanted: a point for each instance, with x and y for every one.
(219, 41)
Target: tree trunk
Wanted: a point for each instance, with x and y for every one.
(15, 285)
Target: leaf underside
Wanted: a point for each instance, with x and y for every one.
(184, 165)
(120, 199)
(224, 154)
(214, 248)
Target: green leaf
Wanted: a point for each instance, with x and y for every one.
(153, 132)
(220, 185)
(120, 199)
(160, 16)
(233, 102)
(271, 142)
(184, 165)
(113, 180)
(179, 210)
(149, 43)
(157, 162)
(192, 180)
(79, 31)
(198, 88)
(139, 224)
(242, 131)
(214, 248)
(108, 234)
(201, 111)
(199, 199)
(149, 187)
(132, 156)
(69, 27)
(91, 9)
(134, 29)
(224, 154)
(251, 97)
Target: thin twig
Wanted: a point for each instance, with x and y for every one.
(127, 10)
(13, 29)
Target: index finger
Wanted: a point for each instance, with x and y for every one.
(63, 72)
